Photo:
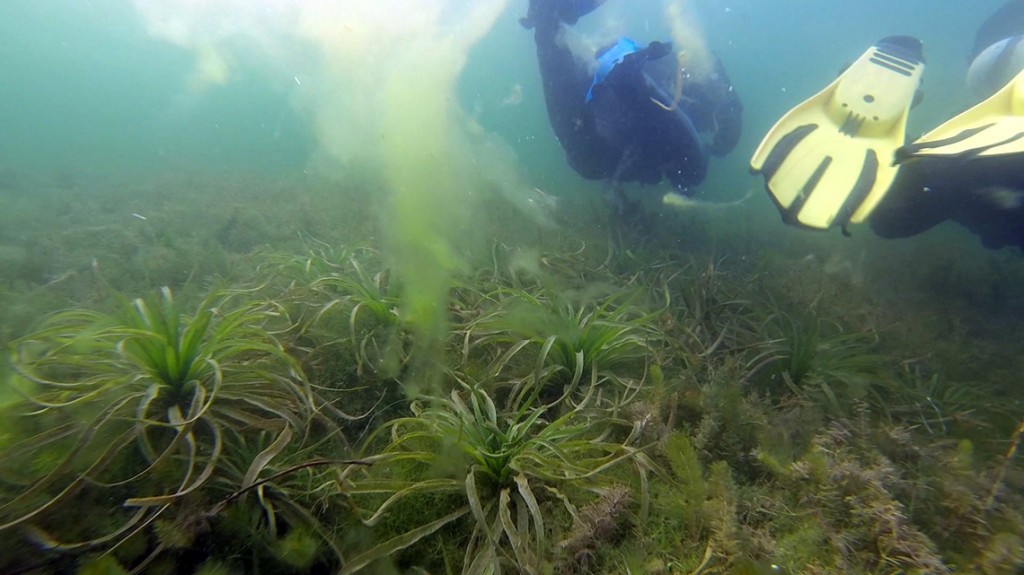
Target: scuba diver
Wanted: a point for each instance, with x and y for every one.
(634, 114)
(842, 157)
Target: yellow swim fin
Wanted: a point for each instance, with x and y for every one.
(829, 161)
(995, 127)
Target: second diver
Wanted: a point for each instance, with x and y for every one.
(631, 113)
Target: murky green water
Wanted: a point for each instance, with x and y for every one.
(296, 287)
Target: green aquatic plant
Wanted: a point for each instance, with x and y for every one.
(1003, 554)
(376, 325)
(688, 472)
(100, 565)
(604, 335)
(861, 523)
(612, 335)
(997, 484)
(214, 567)
(145, 402)
(828, 364)
(603, 523)
(940, 406)
(337, 299)
(275, 510)
(298, 549)
(506, 470)
(530, 295)
(678, 522)
(708, 309)
(709, 324)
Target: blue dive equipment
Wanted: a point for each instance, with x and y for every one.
(607, 59)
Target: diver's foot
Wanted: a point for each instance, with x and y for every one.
(543, 12)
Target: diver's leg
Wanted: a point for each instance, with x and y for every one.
(567, 11)
(626, 214)
(566, 81)
(619, 205)
(923, 195)
(629, 224)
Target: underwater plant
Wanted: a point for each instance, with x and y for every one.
(336, 299)
(142, 408)
(606, 334)
(507, 470)
(830, 365)
(708, 308)
(860, 524)
(939, 405)
(611, 335)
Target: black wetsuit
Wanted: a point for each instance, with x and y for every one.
(621, 134)
(983, 194)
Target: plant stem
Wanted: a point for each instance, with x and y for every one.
(1014, 443)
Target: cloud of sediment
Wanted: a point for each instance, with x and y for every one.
(687, 35)
(377, 79)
